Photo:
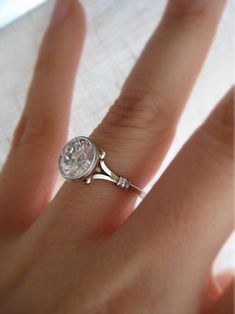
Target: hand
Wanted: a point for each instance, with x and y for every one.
(87, 251)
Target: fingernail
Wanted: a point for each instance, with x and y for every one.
(60, 12)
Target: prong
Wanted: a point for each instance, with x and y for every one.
(98, 169)
(101, 154)
(87, 180)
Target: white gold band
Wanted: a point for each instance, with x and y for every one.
(104, 173)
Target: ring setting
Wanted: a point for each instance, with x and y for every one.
(82, 160)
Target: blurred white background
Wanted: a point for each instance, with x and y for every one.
(117, 31)
(13, 9)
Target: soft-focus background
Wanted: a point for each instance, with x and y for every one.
(117, 31)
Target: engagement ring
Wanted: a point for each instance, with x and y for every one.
(81, 159)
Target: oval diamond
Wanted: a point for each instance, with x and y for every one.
(78, 158)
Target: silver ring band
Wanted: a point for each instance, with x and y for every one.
(81, 159)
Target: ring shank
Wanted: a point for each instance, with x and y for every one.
(137, 190)
(104, 173)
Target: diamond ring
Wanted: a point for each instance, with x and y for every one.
(81, 159)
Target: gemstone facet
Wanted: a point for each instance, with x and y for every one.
(78, 158)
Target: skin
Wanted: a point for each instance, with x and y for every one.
(86, 250)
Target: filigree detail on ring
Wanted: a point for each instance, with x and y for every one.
(123, 183)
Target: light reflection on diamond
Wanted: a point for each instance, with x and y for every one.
(78, 158)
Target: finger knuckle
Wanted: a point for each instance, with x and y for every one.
(143, 111)
(31, 130)
(187, 12)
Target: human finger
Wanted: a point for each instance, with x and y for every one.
(188, 214)
(139, 127)
(141, 124)
(28, 176)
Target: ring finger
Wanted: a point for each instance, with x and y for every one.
(141, 124)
